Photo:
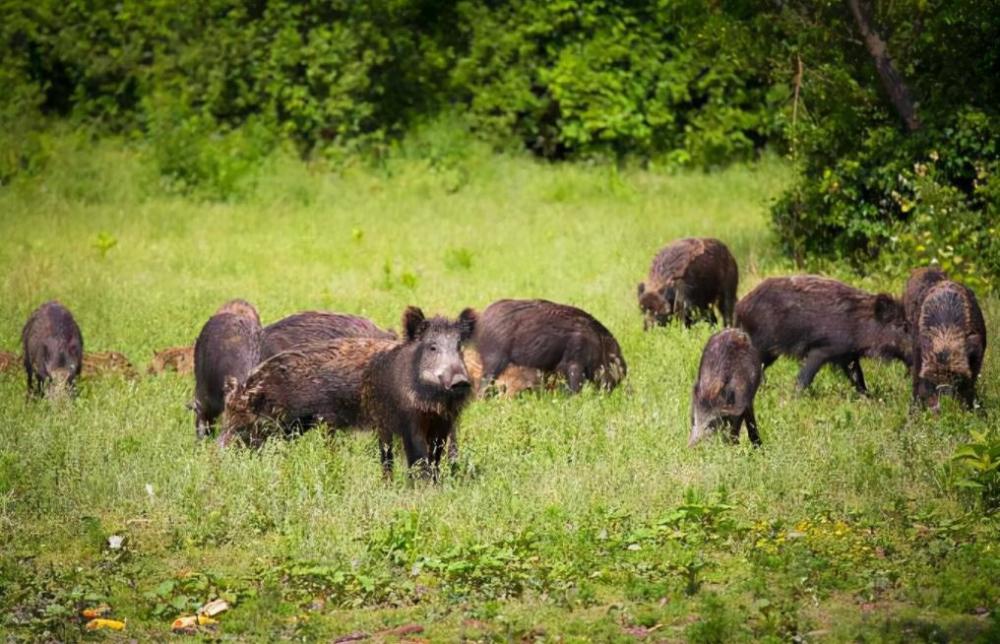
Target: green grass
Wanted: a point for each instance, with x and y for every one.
(580, 517)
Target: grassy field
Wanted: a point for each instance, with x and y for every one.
(569, 518)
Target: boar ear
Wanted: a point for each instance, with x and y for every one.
(467, 324)
(641, 288)
(413, 319)
(886, 309)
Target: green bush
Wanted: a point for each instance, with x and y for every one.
(867, 186)
(678, 81)
(977, 468)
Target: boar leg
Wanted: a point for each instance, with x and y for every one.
(493, 366)
(751, 421)
(385, 452)
(852, 369)
(31, 386)
(416, 449)
(734, 429)
(858, 376)
(814, 360)
(923, 391)
(967, 392)
(727, 306)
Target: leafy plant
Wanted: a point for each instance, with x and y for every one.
(978, 468)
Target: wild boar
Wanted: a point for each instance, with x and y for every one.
(177, 359)
(728, 378)
(53, 350)
(920, 281)
(822, 321)
(686, 278)
(316, 326)
(512, 381)
(100, 363)
(949, 343)
(553, 338)
(227, 347)
(417, 389)
(300, 388)
(8, 361)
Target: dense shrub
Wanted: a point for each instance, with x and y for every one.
(679, 80)
(867, 185)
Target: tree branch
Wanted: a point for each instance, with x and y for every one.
(892, 81)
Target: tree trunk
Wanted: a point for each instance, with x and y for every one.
(892, 82)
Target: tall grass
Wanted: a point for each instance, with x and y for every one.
(443, 226)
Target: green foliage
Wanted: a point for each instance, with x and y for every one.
(677, 80)
(867, 186)
(978, 468)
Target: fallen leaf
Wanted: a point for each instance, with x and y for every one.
(97, 611)
(99, 623)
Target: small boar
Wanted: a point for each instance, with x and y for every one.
(508, 384)
(100, 363)
(316, 326)
(822, 321)
(949, 343)
(227, 347)
(300, 388)
(550, 337)
(53, 350)
(177, 359)
(8, 361)
(687, 277)
(417, 390)
(920, 281)
(728, 377)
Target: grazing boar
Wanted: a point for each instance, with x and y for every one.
(8, 361)
(417, 390)
(727, 382)
(53, 350)
(316, 326)
(921, 280)
(299, 388)
(107, 362)
(177, 359)
(508, 384)
(550, 337)
(687, 277)
(949, 343)
(227, 347)
(822, 321)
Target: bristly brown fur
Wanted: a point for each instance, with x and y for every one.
(299, 388)
(949, 340)
(553, 338)
(178, 359)
(823, 321)
(689, 276)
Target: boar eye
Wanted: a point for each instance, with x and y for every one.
(433, 347)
